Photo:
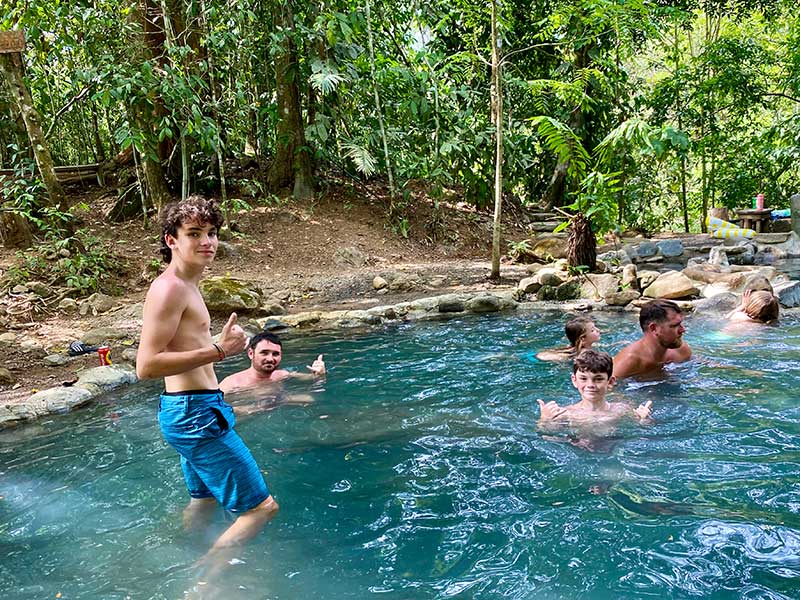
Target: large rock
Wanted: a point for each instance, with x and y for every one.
(548, 247)
(615, 257)
(671, 284)
(717, 304)
(484, 303)
(569, 290)
(551, 276)
(351, 256)
(788, 293)
(630, 277)
(718, 256)
(6, 376)
(450, 303)
(758, 281)
(106, 378)
(62, 399)
(100, 302)
(529, 285)
(670, 248)
(228, 294)
(402, 282)
(646, 278)
(622, 298)
(646, 249)
(598, 286)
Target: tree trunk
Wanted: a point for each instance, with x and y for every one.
(292, 166)
(11, 68)
(497, 117)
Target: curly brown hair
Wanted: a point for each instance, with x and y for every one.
(196, 209)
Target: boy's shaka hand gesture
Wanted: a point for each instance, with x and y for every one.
(550, 411)
(643, 411)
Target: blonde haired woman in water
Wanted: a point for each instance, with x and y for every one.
(581, 333)
(758, 306)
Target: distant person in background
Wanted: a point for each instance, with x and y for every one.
(661, 342)
(581, 332)
(265, 353)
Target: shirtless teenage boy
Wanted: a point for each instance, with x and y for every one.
(176, 344)
(661, 342)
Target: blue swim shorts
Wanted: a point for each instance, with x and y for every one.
(215, 461)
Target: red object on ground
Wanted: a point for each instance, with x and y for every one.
(103, 352)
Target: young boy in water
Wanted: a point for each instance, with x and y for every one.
(592, 377)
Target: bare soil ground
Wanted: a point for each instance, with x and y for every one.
(285, 244)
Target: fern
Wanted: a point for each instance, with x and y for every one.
(362, 158)
(325, 79)
(561, 140)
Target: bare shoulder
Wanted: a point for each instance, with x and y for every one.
(627, 361)
(553, 355)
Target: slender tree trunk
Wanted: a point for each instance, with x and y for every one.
(11, 68)
(292, 165)
(497, 116)
(386, 158)
(679, 111)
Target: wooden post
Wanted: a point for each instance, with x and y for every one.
(12, 43)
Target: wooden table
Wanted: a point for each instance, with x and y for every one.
(755, 219)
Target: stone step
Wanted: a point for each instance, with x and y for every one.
(544, 226)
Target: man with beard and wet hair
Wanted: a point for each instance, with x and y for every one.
(661, 342)
(265, 353)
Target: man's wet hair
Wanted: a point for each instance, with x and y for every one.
(195, 209)
(264, 336)
(593, 361)
(657, 311)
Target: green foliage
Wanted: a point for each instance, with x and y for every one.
(85, 268)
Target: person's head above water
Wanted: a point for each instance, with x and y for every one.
(195, 209)
(581, 333)
(761, 306)
(593, 361)
(265, 352)
(663, 319)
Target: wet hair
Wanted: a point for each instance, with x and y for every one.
(593, 361)
(264, 336)
(195, 209)
(575, 329)
(762, 306)
(657, 311)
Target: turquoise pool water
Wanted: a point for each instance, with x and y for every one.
(418, 473)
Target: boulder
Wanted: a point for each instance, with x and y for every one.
(671, 284)
(670, 248)
(402, 282)
(529, 285)
(705, 272)
(757, 281)
(378, 283)
(8, 338)
(646, 249)
(450, 303)
(717, 256)
(62, 399)
(646, 278)
(622, 298)
(55, 360)
(615, 257)
(350, 256)
(40, 289)
(68, 305)
(100, 302)
(630, 277)
(546, 292)
(569, 290)
(484, 303)
(551, 276)
(717, 304)
(228, 294)
(548, 247)
(107, 377)
(597, 286)
(788, 293)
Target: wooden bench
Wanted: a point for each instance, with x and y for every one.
(755, 219)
